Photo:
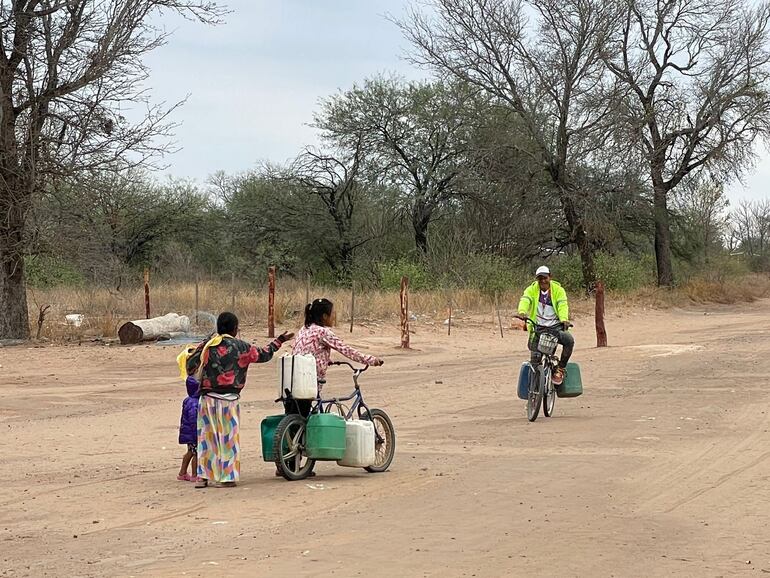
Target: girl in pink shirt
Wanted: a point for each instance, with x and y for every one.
(316, 339)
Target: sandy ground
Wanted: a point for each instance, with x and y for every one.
(662, 468)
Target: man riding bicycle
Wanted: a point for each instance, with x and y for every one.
(545, 304)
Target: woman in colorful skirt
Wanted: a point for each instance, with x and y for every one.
(221, 364)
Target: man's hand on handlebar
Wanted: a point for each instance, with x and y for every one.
(378, 362)
(521, 317)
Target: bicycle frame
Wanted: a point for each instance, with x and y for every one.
(325, 405)
(542, 365)
(545, 359)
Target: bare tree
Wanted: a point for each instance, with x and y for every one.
(750, 227)
(742, 228)
(415, 136)
(760, 214)
(65, 69)
(699, 85)
(700, 203)
(552, 78)
(334, 179)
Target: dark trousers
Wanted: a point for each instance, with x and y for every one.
(297, 406)
(565, 339)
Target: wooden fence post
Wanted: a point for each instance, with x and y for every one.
(147, 292)
(499, 319)
(352, 303)
(405, 312)
(271, 302)
(449, 329)
(307, 291)
(197, 302)
(601, 332)
(232, 292)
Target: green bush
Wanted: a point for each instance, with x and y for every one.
(45, 271)
(759, 263)
(566, 270)
(719, 268)
(622, 272)
(392, 271)
(494, 275)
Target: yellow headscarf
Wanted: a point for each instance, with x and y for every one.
(181, 360)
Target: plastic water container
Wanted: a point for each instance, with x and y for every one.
(573, 383)
(523, 388)
(297, 374)
(325, 437)
(75, 319)
(268, 427)
(359, 444)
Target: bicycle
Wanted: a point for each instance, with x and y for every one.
(541, 388)
(292, 462)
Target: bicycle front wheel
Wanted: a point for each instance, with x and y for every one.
(385, 440)
(549, 397)
(535, 396)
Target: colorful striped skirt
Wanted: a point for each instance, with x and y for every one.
(218, 442)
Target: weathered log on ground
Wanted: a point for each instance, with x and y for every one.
(153, 329)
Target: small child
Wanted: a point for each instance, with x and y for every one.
(188, 432)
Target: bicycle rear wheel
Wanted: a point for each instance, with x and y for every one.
(535, 397)
(549, 397)
(291, 461)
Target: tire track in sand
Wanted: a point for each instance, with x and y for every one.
(728, 457)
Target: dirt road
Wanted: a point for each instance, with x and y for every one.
(662, 468)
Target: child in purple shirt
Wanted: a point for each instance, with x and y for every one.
(188, 432)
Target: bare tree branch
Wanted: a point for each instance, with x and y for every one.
(67, 71)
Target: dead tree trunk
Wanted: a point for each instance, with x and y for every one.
(153, 329)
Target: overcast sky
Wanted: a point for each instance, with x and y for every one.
(255, 81)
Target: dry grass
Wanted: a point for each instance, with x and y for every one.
(745, 289)
(105, 310)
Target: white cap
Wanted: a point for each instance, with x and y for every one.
(542, 270)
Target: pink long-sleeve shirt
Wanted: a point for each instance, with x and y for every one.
(319, 342)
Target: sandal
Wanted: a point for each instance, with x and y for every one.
(184, 478)
(227, 484)
(202, 483)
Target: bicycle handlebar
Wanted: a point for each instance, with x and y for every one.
(543, 327)
(355, 369)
